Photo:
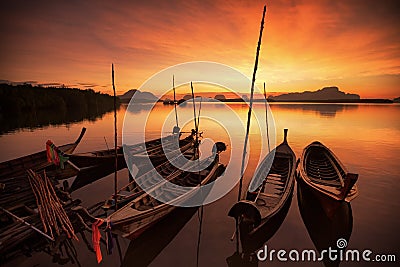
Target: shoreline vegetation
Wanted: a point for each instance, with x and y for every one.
(27, 106)
(25, 97)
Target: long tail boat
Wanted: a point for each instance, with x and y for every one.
(274, 185)
(153, 149)
(144, 211)
(327, 177)
(165, 169)
(158, 157)
(37, 161)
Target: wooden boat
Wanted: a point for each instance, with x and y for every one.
(157, 157)
(160, 154)
(16, 238)
(324, 231)
(149, 178)
(144, 211)
(327, 177)
(275, 183)
(37, 161)
(153, 149)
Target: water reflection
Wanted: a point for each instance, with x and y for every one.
(324, 232)
(138, 107)
(323, 110)
(143, 250)
(91, 175)
(368, 130)
(41, 118)
(252, 243)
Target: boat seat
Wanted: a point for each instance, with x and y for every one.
(326, 182)
(270, 195)
(175, 190)
(283, 155)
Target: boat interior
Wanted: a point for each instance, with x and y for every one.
(322, 168)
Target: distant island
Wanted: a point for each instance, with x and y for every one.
(139, 96)
(324, 94)
(330, 94)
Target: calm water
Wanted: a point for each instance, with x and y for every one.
(364, 137)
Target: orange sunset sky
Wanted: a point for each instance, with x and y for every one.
(307, 45)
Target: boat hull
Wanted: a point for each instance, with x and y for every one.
(329, 181)
(328, 204)
(132, 227)
(37, 161)
(269, 198)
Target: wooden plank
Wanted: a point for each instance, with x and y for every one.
(336, 169)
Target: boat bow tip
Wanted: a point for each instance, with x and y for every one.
(83, 131)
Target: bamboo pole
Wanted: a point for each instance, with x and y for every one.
(195, 122)
(176, 113)
(248, 122)
(115, 142)
(52, 213)
(251, 105)
(194, 108)
(266, 117)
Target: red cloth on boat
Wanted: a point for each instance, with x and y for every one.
(52, 156)
(96, 239)
(55, 155)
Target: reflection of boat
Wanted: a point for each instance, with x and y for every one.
(143, 250)
(88, 176)
(273, 187)
(324, 231)
(252, 243)
(144, 211)
(327, 177)
(37, 161)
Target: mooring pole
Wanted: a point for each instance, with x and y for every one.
(115, 142)
(266, 117)
(248, 121)
(250, 106)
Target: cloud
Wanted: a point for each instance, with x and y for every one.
(18, 83)
(73, 41)
(50, 84)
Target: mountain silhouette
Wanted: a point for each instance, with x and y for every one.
(326, 93)
(139, 96)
